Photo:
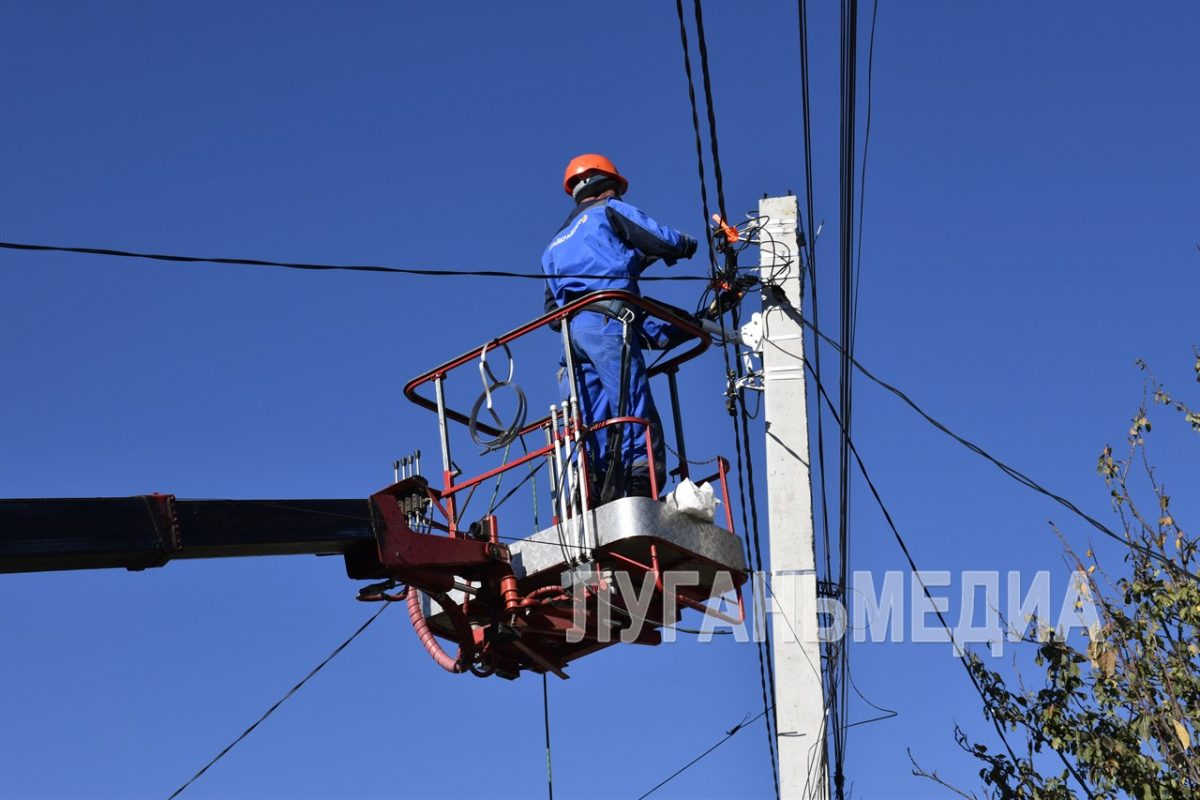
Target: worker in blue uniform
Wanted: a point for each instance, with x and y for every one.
(606, 243)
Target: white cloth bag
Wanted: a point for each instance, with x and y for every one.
(695, 501)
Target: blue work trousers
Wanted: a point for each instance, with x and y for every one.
(596, 343)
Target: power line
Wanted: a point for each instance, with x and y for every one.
(754, 556)
(766, 672)
(742, 443)
(849, 80)
(1012, 472)
(941, 617)
(851, 269)
(900, 540)
(765, 665)
(281, 700)
(888, 713)
(546, 720)
(255, 262)
(862, 185)
(702, 46)
(831, 649)
(802, 14)
(691, 84)
(729, 734)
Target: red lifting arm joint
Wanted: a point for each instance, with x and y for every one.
(427, 561)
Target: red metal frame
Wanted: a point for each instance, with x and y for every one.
(683, 597)
(454, 488)
(720, 475)
(703, 342)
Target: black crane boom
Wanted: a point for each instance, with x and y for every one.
(150, 530)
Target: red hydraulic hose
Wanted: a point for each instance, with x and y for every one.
(544, 596)
(457, 662)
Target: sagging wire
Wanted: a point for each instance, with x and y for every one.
(887, 713)
(387, 603)
(256, 262)
(1012, 472)
(729, 734)
(958, 648)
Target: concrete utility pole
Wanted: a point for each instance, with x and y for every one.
(799, 692)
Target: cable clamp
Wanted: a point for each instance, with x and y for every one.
(751, 381)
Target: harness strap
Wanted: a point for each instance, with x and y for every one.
(615, 477)
(613, 309)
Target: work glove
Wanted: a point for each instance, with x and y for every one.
(687, 249)
(689, 246)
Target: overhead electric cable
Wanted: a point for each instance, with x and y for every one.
(754, 557)
(255, 262)
(802, 14)
(862, 185)
(747, 496)
(281, 700)
(811, 245)
(743, 444)
(1012, 472)
(702, 46)
(691, 84)
(847, 153)
(831, 648)
(888, 713)
(729, 734)
(744, 440)
(958, 649)
(546, 721)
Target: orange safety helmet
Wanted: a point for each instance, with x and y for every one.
(590, 163)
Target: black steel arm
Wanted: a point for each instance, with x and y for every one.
(150, 530)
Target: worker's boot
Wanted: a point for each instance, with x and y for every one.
(638, 486)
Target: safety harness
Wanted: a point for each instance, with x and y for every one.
(614, 477)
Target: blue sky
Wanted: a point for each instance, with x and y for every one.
(1031, 230)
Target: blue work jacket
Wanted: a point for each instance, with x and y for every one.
(605, 244)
